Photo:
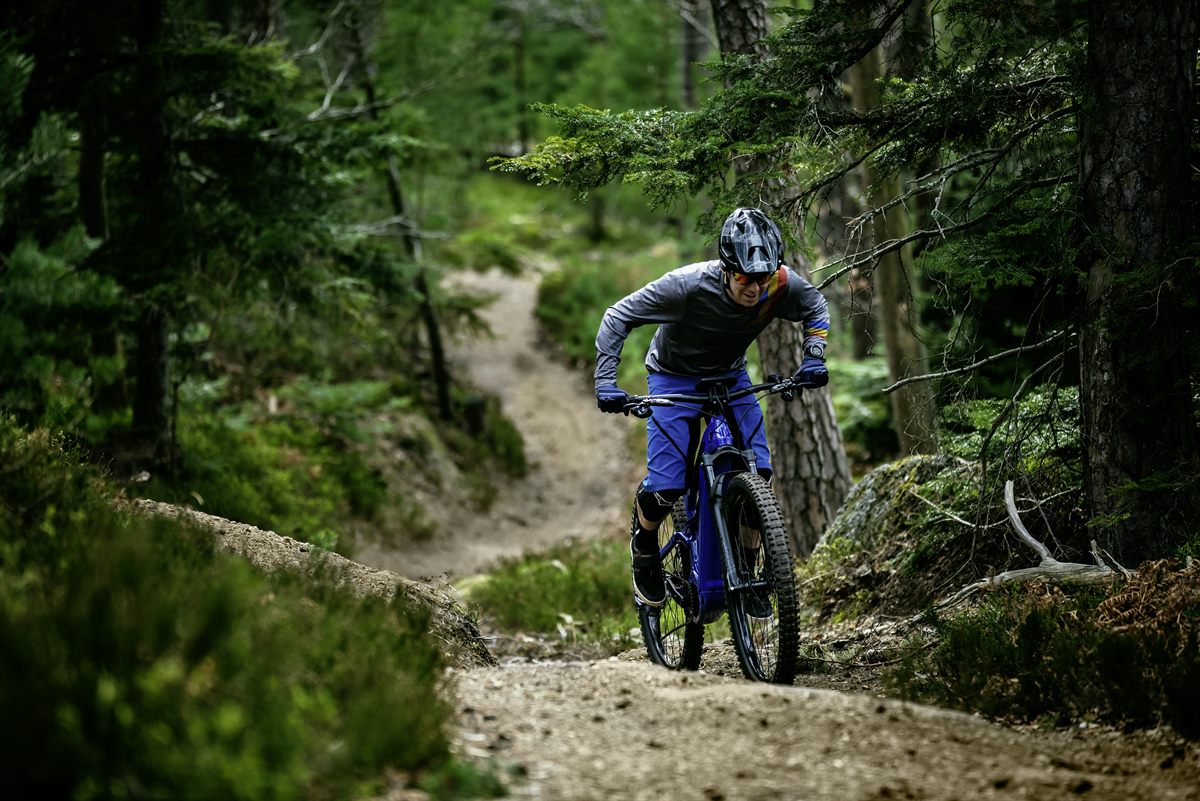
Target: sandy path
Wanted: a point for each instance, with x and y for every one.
(629, 730)
(582, 472)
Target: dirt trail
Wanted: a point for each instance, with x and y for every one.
(581, 472)
(624, 729)
(630, 730)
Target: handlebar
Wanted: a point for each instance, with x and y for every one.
(640, 405)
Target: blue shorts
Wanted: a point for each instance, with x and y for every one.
(672, 432)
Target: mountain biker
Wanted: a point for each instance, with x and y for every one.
(708, 315)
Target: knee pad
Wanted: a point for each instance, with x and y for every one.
(656, 506)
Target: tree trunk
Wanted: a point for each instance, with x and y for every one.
(913, 406)
(149, 243)
(813, 474)
(109, 394)
(1140, 450)
(811, 469)
(412, 248)
(694, 43)
(151, 429)
(524, 133)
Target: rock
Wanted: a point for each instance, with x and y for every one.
(869, 512)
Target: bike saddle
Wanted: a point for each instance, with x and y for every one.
(705, 384)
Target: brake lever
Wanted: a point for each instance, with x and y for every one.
(641, 410)
(785, 388)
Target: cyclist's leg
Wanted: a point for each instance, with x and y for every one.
(667, 437)
(750, 421)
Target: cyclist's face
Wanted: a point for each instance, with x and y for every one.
(748, 293)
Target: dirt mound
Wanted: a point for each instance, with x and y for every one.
(456, 633)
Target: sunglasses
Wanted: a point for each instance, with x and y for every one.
(745, 280)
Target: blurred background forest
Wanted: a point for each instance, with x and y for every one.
(226, 227)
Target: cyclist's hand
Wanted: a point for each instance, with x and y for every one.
(812, 372)
(611, 399)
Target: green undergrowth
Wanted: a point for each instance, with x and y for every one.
(573, 299)
(1040, 654)
(864, 413)
(316, 461)
(578, 590)
(137, 662)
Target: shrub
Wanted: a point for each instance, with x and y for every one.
(864, 414)
(1037, 653)
(137, 662)
(572, 301)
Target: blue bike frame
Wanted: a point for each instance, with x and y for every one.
(705, 535)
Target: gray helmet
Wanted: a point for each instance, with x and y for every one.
(750, 243)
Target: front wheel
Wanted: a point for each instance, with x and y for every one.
(673, 638)
(763, 617)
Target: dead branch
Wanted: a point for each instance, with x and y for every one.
(970, 367)
(1048, 569)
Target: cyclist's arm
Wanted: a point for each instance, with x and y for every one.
(804, 304)
(660, 301)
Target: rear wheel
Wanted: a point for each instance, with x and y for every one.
(763, 618)
(672, 639)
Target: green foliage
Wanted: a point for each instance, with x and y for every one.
(141, 663)
(580, 588)
(1035, 653)
(572, 301)
(280, 475)
(50, 314)
(864, 414)
(1044, 424)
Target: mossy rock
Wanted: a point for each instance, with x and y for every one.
(880, 503)
(888, 550)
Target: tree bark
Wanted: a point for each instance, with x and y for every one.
(149, 243)
(693, 19)
(412, 247)
(813, 474)
(1140, 449)
(913, 406)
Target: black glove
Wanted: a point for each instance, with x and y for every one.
(812, 372)
(611, 399)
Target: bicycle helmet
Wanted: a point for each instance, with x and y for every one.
(750, 243)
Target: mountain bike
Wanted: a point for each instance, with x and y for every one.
(724, 547)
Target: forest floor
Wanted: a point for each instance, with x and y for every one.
(563, 724)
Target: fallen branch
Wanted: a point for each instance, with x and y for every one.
(1048, 569)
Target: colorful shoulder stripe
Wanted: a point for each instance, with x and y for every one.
(776, 289)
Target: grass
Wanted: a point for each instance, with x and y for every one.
(579, 590)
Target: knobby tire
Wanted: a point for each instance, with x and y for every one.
(672, 639)
(767, 648)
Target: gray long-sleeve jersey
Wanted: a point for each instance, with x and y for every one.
(701, 330)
